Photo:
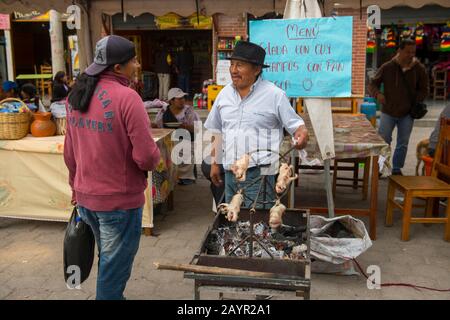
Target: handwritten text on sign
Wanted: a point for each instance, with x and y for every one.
(307, 57)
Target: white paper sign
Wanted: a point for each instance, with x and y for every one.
(223, 75)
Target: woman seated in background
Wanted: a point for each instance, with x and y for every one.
(61, 87)
(28, 95)
(178, 112)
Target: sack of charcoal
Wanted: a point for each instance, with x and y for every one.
(335, 242)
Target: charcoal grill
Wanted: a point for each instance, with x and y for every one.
(289, 275)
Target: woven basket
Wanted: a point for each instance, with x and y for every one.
(14, 126)
(61, 125)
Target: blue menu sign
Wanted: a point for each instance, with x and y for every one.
(307, 57)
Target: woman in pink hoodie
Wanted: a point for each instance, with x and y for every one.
(109, 150)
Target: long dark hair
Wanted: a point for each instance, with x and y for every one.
(82, 91)
(59, 76)
(81, 94)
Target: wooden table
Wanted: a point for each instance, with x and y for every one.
(37, 77)
(354, 137)
(34, 76)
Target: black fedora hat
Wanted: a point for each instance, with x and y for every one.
(249, 52)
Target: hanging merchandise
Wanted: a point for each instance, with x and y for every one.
(419, 34)
(384, 37)
(388, 38)
(445, 38)
(406, 32)
(371, 40)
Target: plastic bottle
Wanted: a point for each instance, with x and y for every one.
(205, 101)
(195, 101)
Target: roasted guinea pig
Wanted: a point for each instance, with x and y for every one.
(285, 176)
(239, 168)
(232, 209)
(276, 215)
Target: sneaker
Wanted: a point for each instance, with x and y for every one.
(397, 173)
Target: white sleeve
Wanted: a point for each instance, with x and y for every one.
(214, 120)
(287, 115)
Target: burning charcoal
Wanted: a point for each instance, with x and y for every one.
(239, 253)
(338, 230)
(276, 253)
(243, 229)
(213, 244)
(279, 237)
(290, 231)
(258, 251)
(299, 252)
(259, 229)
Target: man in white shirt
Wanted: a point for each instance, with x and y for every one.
(249, 115)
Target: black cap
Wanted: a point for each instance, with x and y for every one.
(109, 51)
(249, 52)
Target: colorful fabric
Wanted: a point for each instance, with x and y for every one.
(12, 107)
(354, 137)
(445, 42)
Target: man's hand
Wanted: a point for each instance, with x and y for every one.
(215, 175)
(74, 200)
(301, 137)
(381, 98)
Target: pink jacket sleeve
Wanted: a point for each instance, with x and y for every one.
(145, 151)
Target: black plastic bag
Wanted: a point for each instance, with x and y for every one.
(79, 245)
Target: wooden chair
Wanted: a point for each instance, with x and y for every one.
(428, 187)
(46, 84)
(356, 181)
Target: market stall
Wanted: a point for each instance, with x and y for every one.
(34, 179)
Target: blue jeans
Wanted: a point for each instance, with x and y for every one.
(184, 81)
(404, 128)
(117, 234)
(250, 193)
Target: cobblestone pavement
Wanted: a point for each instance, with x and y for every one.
(31, 251)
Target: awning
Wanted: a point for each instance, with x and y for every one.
(387, 4)
(10, 6)
(407, 15)
(186, 7)
(36, 16)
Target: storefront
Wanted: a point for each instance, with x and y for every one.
(208, 28)
(426, 18)
(174, 33)
(32, 44)
(429, 26)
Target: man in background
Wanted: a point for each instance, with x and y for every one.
(402, 76)
(162, 69)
